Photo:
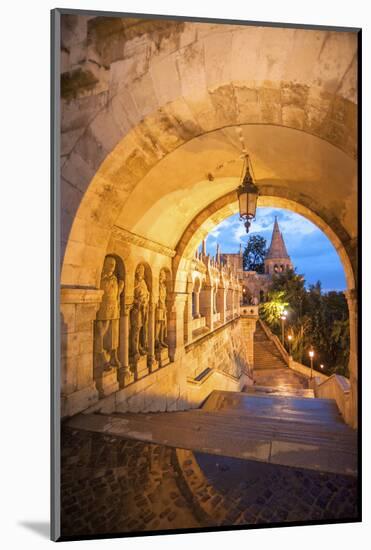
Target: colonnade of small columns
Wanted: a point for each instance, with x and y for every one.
(213, 295)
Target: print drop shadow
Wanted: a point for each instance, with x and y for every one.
(41, 528)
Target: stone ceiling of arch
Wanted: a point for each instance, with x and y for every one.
(165, 201)
(162, 91)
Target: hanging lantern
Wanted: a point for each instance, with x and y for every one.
(247, 194)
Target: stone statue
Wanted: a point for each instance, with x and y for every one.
(139, 315)
(161, 313)
(108, 316)
(254, 300)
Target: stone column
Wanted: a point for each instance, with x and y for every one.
(248, 325)
(207, 305)
(197, 314)
(78, 309)
(352, 299)
(176, 326)
(215, 306)
(227, 303)
(152, 363)
(238, 294)
(188, 315)
(125, 376)
(221, 304)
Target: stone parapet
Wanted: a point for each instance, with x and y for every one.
(78, 309)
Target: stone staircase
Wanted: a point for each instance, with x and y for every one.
(271, 374)
(225, 462)
(239, 460)
(275, 429)
(271, 422)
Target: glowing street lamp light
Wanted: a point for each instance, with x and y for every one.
(322, 367)
(311, 355)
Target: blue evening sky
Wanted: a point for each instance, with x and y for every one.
(311, 252)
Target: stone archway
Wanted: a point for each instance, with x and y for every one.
(127, 119)
(155, 165)
(198, 202)
(226, 206)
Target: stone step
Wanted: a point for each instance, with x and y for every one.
(230, 400)
(266, 352)
(266, 356)
(286, 390)
(270, 357)
(291, 431)
(269, 365)
(278, 382)
(270, 369)
(275, 363)
(261, 346)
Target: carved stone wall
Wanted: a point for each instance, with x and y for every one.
(224, 351)
(78, 312)
(178, 385)
(162, 377)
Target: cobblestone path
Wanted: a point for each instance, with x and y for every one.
(265, 493)
(112, 485)
(115, 486)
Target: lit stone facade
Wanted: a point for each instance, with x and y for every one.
(277, 259)
(256, 285)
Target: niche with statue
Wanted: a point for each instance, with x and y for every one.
(140, 353)
(107, 325)
(161, 318)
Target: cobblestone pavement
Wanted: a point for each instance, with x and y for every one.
(265, 493)
(112, 485)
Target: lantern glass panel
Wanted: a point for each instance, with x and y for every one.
(243, 204)
(252, 199)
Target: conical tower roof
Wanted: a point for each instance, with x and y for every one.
(277, 249)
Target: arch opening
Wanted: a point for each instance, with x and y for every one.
(209, 219)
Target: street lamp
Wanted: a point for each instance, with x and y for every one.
(283, 319)
(311, 355)
(289, 339)
(247, 194)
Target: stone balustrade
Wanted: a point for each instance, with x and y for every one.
(135, 325)
(302, 369)
(338, 388)
(248, 310)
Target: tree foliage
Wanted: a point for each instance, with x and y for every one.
(272, 310)
(254, 254)
(315, 319)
